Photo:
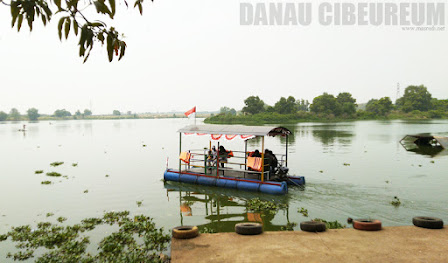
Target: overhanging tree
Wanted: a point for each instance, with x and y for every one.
(72, 17)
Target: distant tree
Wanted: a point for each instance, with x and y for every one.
(254, 105)
(347, 104)
(129, 112)
(116, 113)
(227, 110)
(3, 116)
(78, 113)
(286, 105)
(62, 113)
(33, 114)
(326, 104)
(14, 114)
(381, 107)
(415, 98)
(441, 105)
(303, 105)
(87, 112)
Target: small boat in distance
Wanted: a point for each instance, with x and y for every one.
(261, 171)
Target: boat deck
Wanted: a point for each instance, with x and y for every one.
(230, 172)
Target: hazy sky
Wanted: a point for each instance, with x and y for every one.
(195, 53)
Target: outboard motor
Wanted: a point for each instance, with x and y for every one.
(282, 171)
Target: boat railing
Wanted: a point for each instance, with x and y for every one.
(199, 159)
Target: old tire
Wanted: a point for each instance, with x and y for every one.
(248, 228)
(428, 222)
(367, 224)
(185, 232)
(313, 226)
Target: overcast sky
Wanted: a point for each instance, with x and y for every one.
(195, 53)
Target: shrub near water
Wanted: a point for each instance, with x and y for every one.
(137, 240)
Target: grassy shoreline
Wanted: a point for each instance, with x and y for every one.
(272, 118)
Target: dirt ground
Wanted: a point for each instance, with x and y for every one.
(391, 244)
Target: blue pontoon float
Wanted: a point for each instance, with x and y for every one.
(241, 171)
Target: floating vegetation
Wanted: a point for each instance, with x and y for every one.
(303, 211)
(144, 145)
(54, 164)
(45, 182)
(38, 171)
(139, 203)
(330, 224)
(136, 240)
(207, 230)
(61, 219)
(54, 174)
(50, 214)
(396, 202)
(74, 164)
(387, 181)
(86, 191)
(432, 161)
(346, 164)
(107, 175)
(419, 165)
(256, 204)
(289, 226)
(65, 176)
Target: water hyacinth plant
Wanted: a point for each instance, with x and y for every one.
(258, 205)
(136, 240)
(54, 174)
(330, 224)
(54, 164)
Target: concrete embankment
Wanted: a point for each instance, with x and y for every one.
(391, 244)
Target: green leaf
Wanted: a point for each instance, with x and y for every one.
(123, 48)
(112, 6)
(75, 27)
(110, 48)
(67, 27)
(61, 23)
(19, 23)
(15, 10)
(58, 3)
(44, 20)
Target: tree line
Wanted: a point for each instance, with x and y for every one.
(416, 101)
(33, 114)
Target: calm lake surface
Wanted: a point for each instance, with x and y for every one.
(376, 169)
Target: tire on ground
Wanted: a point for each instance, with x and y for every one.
(367, 224)
(313, 226)
(248, 228)
(185, 232)
(428, 222)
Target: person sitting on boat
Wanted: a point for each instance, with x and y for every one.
(256, 154)
(222, 155)
(211, 159)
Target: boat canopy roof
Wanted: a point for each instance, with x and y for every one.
(235, 130)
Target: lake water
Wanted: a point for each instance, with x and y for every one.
(376, 169)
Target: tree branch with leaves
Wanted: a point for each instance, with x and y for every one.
(73, 19)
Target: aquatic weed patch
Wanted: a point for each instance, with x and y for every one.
(330, 224)
(38, 171)
(137, 240)
(54, 164)
(396, 202)
(258, 205)
(54, 174)
(303, 211)
(45, 182)
(289, 226)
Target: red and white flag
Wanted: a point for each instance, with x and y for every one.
(188, 113)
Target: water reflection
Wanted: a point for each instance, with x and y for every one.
(222, 211)
(426, 150)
